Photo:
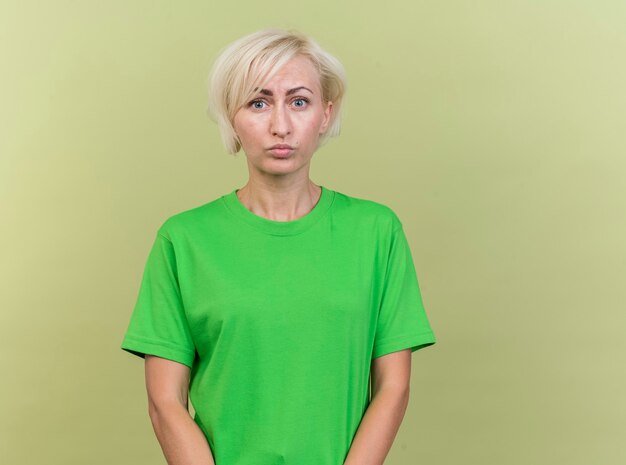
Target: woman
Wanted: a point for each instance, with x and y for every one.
(275, 303)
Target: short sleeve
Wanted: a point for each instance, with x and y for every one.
(402, 322)
(158, 324)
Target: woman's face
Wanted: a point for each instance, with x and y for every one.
(288, 110)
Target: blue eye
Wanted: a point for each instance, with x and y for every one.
(258, 104)
(301, 100)
(254, 102)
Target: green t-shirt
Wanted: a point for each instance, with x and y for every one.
(279, 321)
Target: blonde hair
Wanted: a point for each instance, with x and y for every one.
(248, 63)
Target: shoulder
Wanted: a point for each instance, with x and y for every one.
(366, 210)
(191, 221)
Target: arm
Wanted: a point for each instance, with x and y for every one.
(181, 440)
(390, 376)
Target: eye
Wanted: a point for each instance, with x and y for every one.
(301, 99)
(254, 105)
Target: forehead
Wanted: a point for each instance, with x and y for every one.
(297, 71)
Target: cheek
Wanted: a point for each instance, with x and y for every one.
(312, 125)
(247, 129)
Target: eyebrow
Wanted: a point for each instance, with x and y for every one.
(289, 92)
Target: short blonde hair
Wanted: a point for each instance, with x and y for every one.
(248, 63)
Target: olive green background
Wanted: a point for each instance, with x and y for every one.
(495, 129)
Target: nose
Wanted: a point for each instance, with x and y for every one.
(280, 124)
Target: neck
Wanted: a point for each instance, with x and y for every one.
(280, 203)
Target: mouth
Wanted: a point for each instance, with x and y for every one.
(281, 150)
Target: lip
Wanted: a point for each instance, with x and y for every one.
(281, 153)
(281, 150)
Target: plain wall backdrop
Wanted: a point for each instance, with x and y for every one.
(495, 130)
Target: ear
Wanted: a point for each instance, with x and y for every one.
(327, 113)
